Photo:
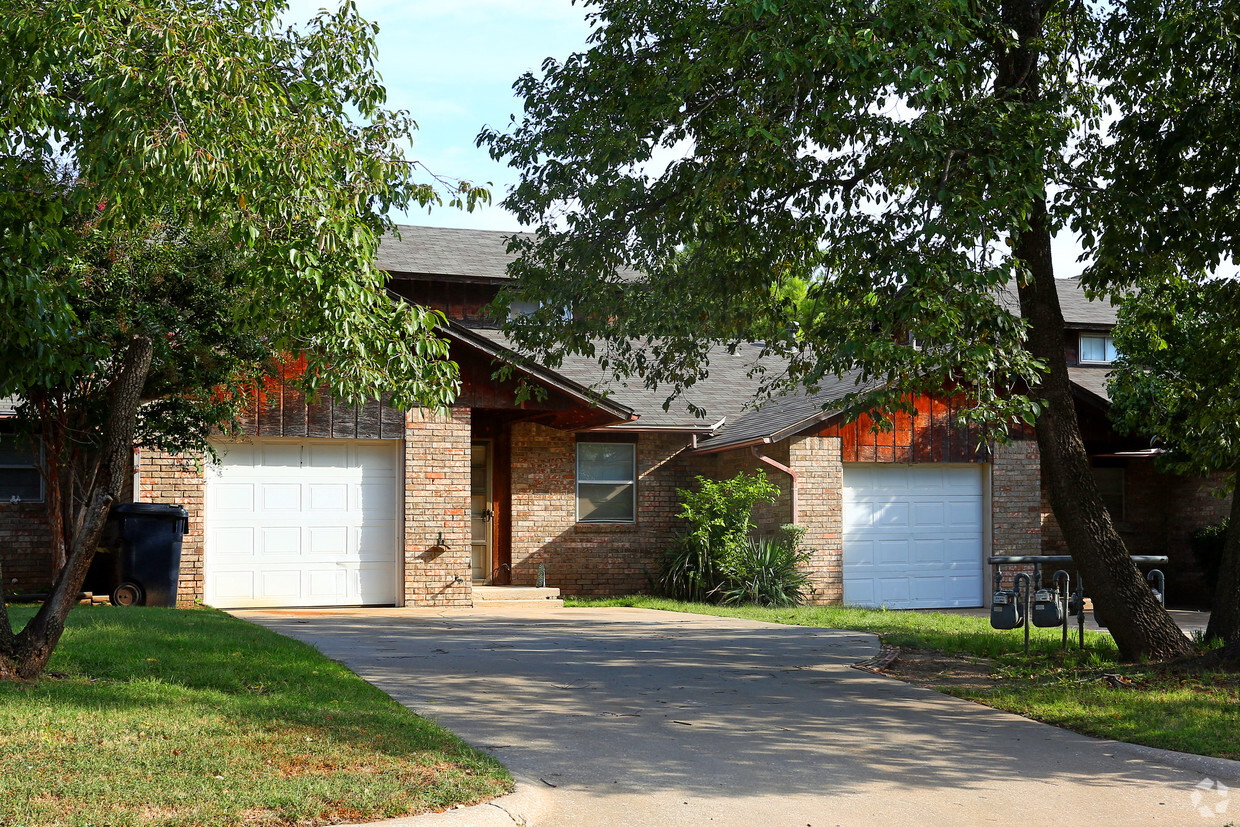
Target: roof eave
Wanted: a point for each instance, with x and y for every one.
(540, 372)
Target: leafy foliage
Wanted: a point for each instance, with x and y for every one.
(718, 560)
(184, 187)
(913, 159)
(1177, 377)
(770, 571)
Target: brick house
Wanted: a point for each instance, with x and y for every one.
(323, 504)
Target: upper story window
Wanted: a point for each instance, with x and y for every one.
(606, 482)
(20, 479)
(1097, 348)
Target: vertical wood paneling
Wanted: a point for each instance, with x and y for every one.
(931, 434)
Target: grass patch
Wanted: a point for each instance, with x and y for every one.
(1196, 712)
(193, 717)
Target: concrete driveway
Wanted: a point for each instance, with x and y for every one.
(636, 717)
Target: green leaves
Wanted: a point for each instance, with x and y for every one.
(1177, 378)
(716, 148)
(118, 115)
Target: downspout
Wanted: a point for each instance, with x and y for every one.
(791, 474)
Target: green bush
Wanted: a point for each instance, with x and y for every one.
(717, 561)
(770, 572)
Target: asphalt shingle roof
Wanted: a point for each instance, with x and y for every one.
(445, 251)
(725, 393)
(1078, 309)
(1092, 379)
(729, 390)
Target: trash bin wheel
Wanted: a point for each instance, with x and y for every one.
(127, 594)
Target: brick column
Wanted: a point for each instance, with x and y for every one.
(820, 487)
(1015, 504)
(177, 479)
(436, 453)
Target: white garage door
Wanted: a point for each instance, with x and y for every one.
(913, 535)
(309, 523)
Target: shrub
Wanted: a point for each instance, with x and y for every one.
(718, 512)
(770, 572)
(716, 560)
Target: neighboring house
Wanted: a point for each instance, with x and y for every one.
(326, 505)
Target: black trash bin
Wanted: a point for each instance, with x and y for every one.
(147, 556)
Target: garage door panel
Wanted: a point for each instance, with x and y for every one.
(929, 513)
(233, 541)
(892, 552)
(891, 514)
(377, 538)
(280, 497)
(893, 590)
(913, 535)
(373, 495)
(236, 456)
(279, 455)
(282, 540)
(317, 531)
(928, 552)
(332, 540)
(281, 584)
(234, 497)
(325, 455)
(329, 496)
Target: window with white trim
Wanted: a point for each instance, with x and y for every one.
(1097, 348)
(606, 482)
(20, 480)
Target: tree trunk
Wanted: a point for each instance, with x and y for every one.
(1140, 625)
(24, 656)
(1224, 622)
(1225, 657)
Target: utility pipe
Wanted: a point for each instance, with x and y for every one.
(791, 474)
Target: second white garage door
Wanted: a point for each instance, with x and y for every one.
(309, 523)
(913, 535)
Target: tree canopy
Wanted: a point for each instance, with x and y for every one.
(915, 157)
(183, 187)
(1178, 380)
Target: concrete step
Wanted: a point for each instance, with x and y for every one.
(513, 595)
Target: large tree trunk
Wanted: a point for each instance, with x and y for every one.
(1140, 625)
(24, 656)
(1224, 622)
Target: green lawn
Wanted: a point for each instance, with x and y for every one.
(1150, 705)
(192, 717)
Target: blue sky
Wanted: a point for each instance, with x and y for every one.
(452, 64)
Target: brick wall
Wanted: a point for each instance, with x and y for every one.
(1016, 518)
(24, 547)
(1161, 511)
(820, 494)
(436, 453)
(177, 479)
(589, 559)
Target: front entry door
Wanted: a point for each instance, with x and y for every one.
(480, 513)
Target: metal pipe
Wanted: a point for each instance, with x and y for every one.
(1063, 600)
(791, 474)
(1065, 558)
(1024, 577)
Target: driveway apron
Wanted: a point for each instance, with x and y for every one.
(637, 717)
